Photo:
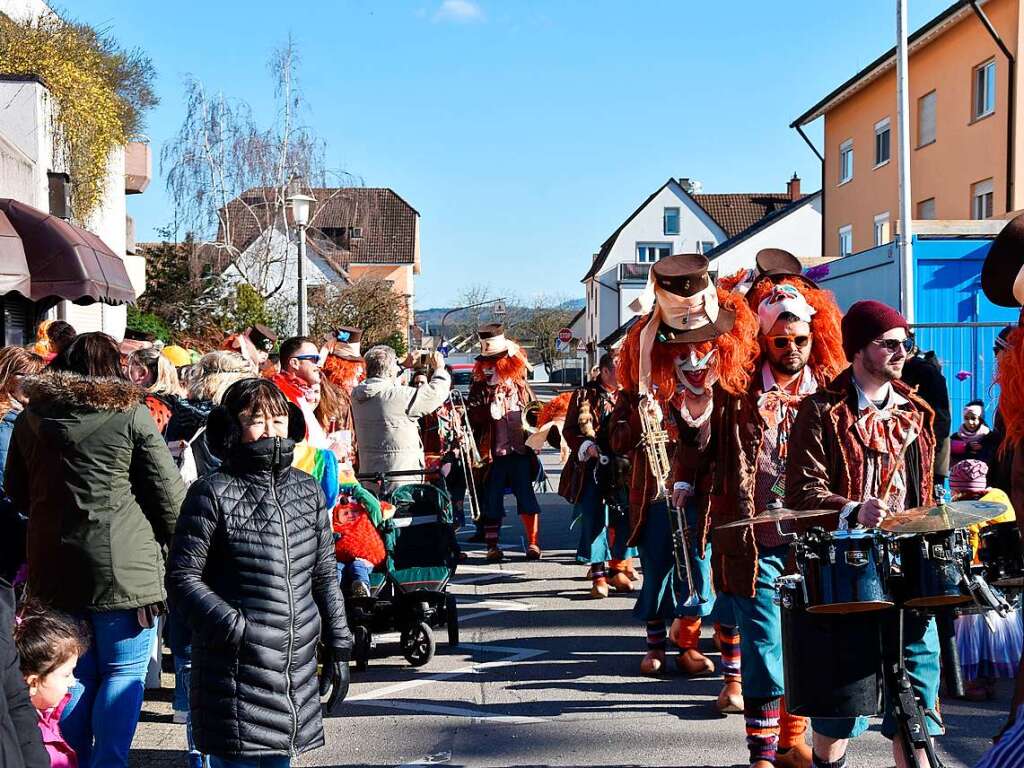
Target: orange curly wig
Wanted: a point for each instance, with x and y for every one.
(827, 357)
(737, 354)
(555, 408)
(1010, 378)
(507, 366)
(345, 374)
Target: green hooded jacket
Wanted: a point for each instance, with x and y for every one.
(101, 490)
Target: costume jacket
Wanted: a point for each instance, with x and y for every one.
(478, 406)
(826, 458)
(586, 419)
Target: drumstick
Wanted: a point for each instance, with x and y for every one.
(887, 485)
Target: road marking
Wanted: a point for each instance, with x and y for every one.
(434, 759)
(475, 716)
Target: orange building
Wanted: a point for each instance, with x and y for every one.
(965, 141)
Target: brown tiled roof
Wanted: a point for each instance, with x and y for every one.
(735, 212)
(386, 221)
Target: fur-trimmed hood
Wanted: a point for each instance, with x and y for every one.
(82, 393)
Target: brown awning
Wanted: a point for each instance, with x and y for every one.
(66, 261)
(14, 274)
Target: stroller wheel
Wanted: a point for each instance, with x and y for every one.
(418, 644)
(361, 648)
(451, 614)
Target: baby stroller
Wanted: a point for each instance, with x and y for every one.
(408, 592)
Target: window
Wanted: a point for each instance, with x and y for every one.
(846, 161)
(671, 220)
(845, 240)
(882, 134)
(926, 119)
(926, 209)
(649, 253)
(981, 200)
(882, 228)
(706, 245)
(984, 89)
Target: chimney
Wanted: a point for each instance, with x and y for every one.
(691, 186)
(793, 188)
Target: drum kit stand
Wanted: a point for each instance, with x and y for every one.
(843, 643)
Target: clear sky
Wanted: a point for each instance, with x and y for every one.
(524, 132)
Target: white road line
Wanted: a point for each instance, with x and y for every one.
(475, 715)
(434, 759)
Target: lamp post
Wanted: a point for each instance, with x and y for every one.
(300, 205)
(499, 311)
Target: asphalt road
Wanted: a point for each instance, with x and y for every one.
(545, 676)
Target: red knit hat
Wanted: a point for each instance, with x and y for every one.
(865, 321)
(969, 475)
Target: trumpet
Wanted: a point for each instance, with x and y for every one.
(531, 414)
(469, 454)
(654, 441)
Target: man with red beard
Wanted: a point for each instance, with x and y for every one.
(801, 348)
(690, 338)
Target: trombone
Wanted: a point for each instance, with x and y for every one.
(654, 441)
(465, 444)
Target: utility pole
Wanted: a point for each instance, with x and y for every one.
(904, 242)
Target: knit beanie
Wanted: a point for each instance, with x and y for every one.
(969, 476)
(865, 321)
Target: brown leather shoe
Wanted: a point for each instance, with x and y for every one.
(631, 573)
(600, 589)
(620, 582)
(730, 700)
(652, 663)
(495, 555)
(533, 552)
(797, 756)
(693, 663)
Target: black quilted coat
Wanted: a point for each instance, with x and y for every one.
(252, 569)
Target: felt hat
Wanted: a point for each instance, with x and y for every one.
(775, 264)
(687, 300)
(263, 338)
(1002, 274)
(345, 343)
(493, 344)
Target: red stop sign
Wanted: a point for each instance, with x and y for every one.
(565, 335)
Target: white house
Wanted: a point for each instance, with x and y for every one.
(32, 172)
(680, 218)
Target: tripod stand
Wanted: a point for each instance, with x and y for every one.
(910, 713)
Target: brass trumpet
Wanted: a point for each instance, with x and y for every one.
(654, 441)
(531, 415)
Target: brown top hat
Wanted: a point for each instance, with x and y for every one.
(688, 300)
(1001, 274)
(774, 264)
(262, 337)
(345, 343)
(493, 343)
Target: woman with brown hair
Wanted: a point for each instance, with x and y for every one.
(15, 363)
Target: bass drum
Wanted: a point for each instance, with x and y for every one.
(832, 663)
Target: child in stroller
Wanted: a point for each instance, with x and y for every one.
(357, 545)
(409, 590)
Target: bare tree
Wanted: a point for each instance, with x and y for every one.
(539, 325)
(367, 303)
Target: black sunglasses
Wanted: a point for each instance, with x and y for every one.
(891, 345)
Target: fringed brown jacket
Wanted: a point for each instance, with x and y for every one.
(582, 423)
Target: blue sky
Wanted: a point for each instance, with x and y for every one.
(523, 132)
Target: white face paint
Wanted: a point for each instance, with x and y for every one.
(490, 374)
(696, 374)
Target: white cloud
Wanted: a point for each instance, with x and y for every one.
(459, 10)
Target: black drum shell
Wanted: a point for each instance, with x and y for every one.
(1001, 552)
(832, 663)
(845, 573)
(933, 581)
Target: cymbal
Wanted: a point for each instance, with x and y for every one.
(945, 517)
(779, 515)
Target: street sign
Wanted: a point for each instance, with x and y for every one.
(565, 335)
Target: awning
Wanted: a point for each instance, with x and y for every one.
(14, 275)
(66, 261)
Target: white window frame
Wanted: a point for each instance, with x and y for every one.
(846, 146)
(921, 142)
(846, 234)
(882, 237)
(989, 70)
(922, 202)
(883, 126)
(982, 200)
(646, 245)
(664, 220)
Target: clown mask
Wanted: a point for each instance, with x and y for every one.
(697, 373)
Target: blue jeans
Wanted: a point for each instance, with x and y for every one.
(760, 623)
(100, 720)
(596, 520)
(511, 471)
(268, 761)
(357, 570)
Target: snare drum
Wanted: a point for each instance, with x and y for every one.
(931, 567)
(845, 677)
(844, 571)
(1002, 554)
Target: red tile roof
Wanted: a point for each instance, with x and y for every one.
(735, 212)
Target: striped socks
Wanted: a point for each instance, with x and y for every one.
(729, 640)
(597, 571)
(762, 722)
(656, 635)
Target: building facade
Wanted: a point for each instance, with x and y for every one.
(965, 145)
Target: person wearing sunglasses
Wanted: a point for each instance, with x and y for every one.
(299, 380)
(864, 432)
(800, 350)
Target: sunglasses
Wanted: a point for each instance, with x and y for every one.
(782, 341)
(311, 358)
(892, 345)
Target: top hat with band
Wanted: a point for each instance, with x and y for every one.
(263, 338)
(493, 344)
(345, 343)
(775, 264)
(1002, 274)
(688, 300)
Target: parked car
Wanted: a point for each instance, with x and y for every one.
(462, 376)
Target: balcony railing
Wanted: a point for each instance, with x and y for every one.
(634, 272)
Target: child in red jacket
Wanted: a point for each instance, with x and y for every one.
(357, 544)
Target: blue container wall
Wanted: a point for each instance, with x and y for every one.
(947, 289)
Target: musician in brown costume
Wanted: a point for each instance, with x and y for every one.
(745, 463)
(867, 434)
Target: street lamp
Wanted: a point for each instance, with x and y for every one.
(301, 205)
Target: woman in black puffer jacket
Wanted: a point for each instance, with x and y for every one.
(252, 569)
